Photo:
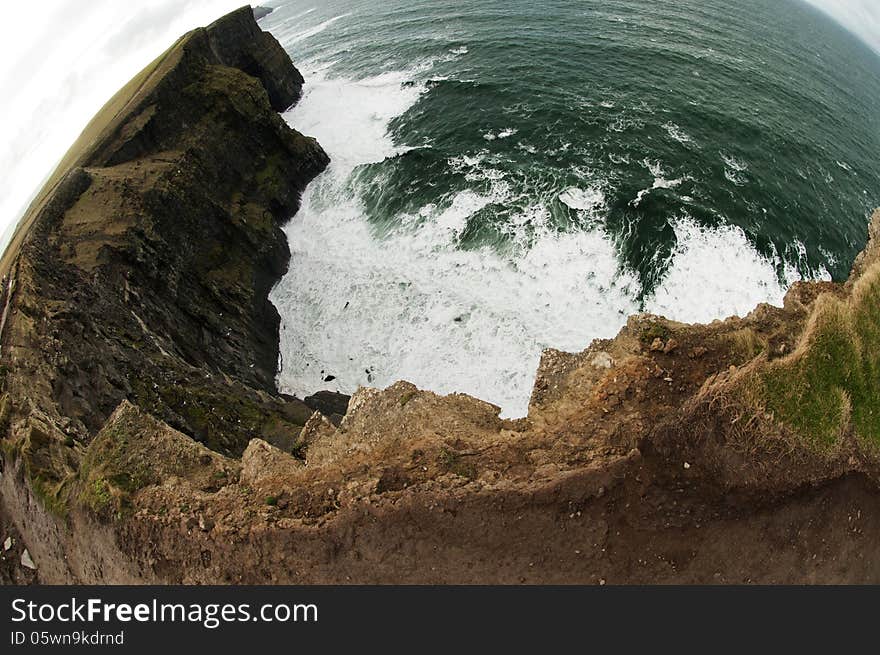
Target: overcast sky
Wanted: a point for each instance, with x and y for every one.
(60, 60)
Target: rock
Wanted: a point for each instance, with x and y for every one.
(262, 12)
(602, 360)
(331, 404)
(262, 461)
(8, 543)
(26, 560)
(657, 345)
(871, 254)
(670, 346)
(316, 428)
(698, 352)
(239, 43)
(186, 190)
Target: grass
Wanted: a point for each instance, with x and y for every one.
(830, 383)
(746, 344)
(113, 471)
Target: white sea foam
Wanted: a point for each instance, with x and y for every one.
(716, 272)
(829, 256)
(501, 134)
(660, 182)
(588, 200)
(413, 305)
(461, 50)
(734, 170)
(677, 133)
(733, 163)
(310, 32)
(623, 123)
(356, 131)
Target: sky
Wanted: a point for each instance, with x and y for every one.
(61, 60)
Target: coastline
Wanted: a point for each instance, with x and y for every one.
(145, 440)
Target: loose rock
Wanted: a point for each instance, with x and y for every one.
(26, 560)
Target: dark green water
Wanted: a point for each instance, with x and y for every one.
(519, 175)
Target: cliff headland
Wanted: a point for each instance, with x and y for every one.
(144, 440)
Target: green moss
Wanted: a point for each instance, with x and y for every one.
(224, 419)
(48, 464)
(11, 449)
(227, 268)
(53, 495)
(406, 397)
(653, 331)
(300, 450)
(270, 175)
(98, 496)
(456, 463)
(271, 500)
(113, 471)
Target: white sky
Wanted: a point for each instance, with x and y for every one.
(60, 60)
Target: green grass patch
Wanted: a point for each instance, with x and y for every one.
(833, 378)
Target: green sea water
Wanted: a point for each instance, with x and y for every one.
(512, 176)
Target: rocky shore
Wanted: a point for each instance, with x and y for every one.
(144, 440)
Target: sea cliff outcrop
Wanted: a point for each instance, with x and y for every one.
(144, 440)
(142, 272)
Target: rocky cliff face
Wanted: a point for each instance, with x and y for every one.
(145, 442)
(145, 276)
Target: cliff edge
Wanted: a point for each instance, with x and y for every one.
(144, 440)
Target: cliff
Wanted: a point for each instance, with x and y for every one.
(144, 440)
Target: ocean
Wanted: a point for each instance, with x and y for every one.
(513, 176)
